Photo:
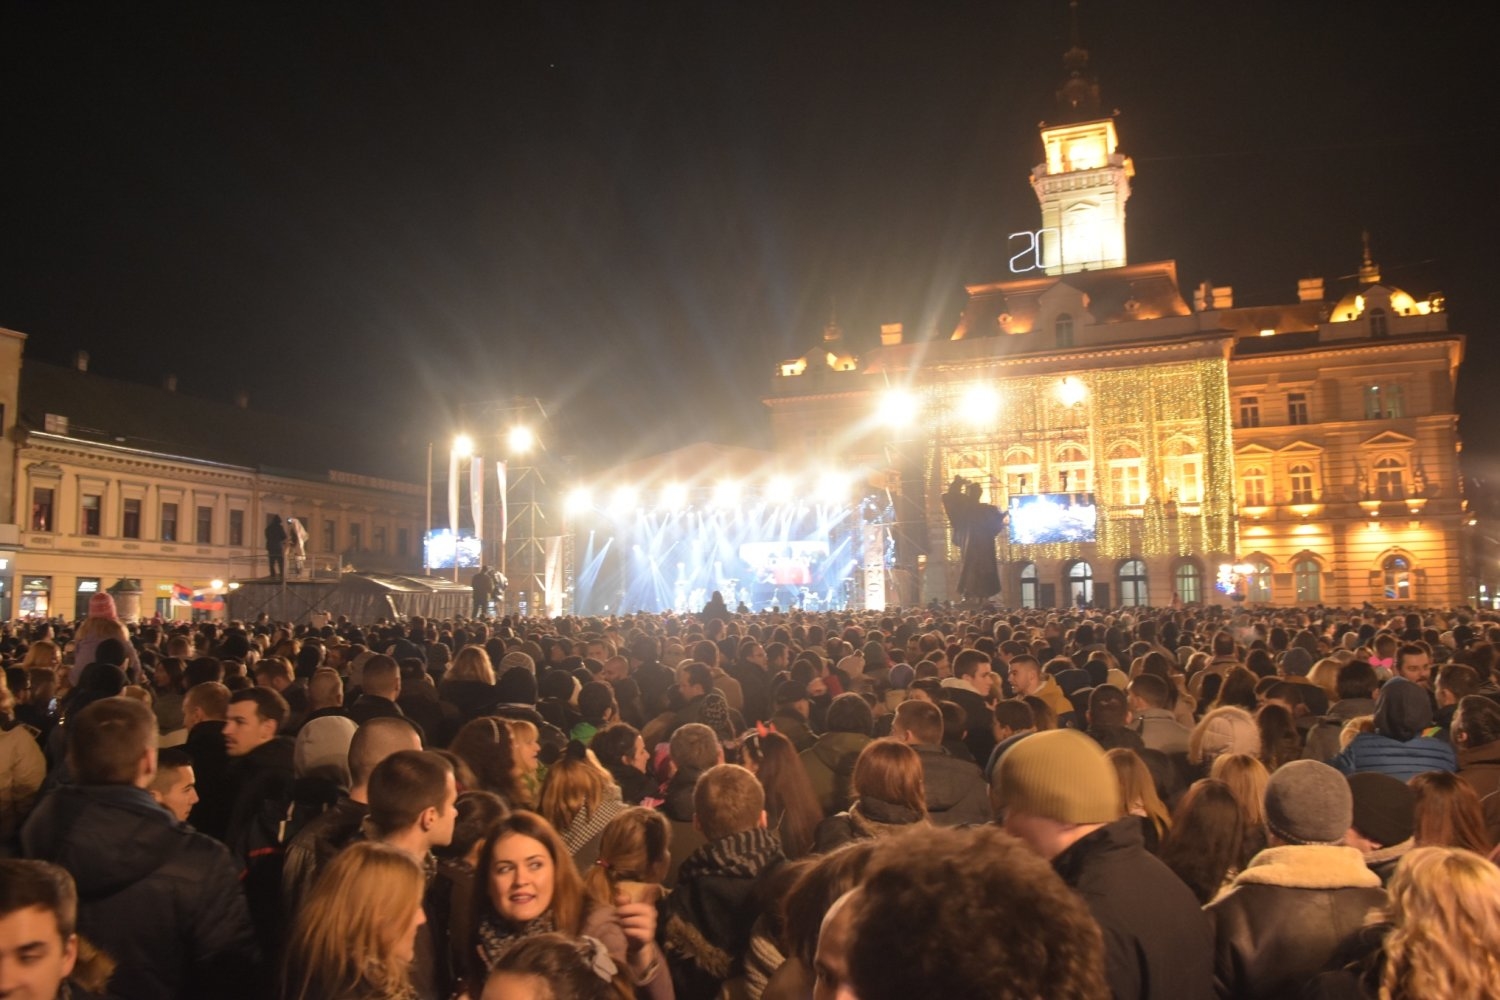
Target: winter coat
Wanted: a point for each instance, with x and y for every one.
(156, 895)
(1322, 742)
(262, 780)
(756, 685)
(979, 716)
(315, 845)
(1286, 917)
(678, 808)
(790, 723)
(1404, 760)
(830, 767)
(956, 789)
(1157, 943)
(1160, 730)
(866, 819)
(22, 771)
(205, 744)
(473, 699)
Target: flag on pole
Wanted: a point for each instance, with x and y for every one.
(453, 494)
(181, 594)
(476, 495)
(504, 503)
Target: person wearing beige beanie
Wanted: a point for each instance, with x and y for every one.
(1057, 792)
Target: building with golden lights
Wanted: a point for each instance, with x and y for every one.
(1299, 453)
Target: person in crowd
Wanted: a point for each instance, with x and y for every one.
(174, 786)
(1106, 718)
(579, 798)
(41, 955)
(792, 810)
(526, 886)
(553, 967)
(888, 796)
(166, 691)
(751, 670)
(830, 761)
(1280, 741)
(102, 624)
(419, 702)
(205, 711)
(380, 686)
(476, 813)
(596, 705)
(955, 789)
(1238, 690)
(488, 745)
(1384, 821)
(634, 852)
(1397, 746)
(1446, 813)
(1452, 683)
(1414, 664)
(1203, 846)
(1246, 778)
(1014, 720)
(261, 770)
(1058, 793)
(1224, 730)
(1154, 721)
(1356, 685)
(23, 769)
(312, 847)
(1138, 796)
(1476, 739)
(1297, 903)
(693, 750)
(622, 752)
(469, 684)
(793, 710)
(978, 938)
(972, 688)
(169, 909)
(355, 936)
(707, 919)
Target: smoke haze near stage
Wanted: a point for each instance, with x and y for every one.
(760, 555)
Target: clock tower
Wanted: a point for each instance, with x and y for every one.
(1084, 181)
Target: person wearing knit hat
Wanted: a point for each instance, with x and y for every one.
(103, 622)
(322, 750)
(1057, 792)
(516, 658)
(1300, 900)
(1225, 730)
(1296, 662)
(1384, 821)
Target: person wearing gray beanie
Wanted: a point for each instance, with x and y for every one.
(1299, 901)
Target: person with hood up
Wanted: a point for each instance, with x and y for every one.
(1397, 746)
(830, 761)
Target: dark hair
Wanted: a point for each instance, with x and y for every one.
(404, 785)
(26, 884)
(1205, 838)
(478, 812)
(486, 744)
(1356, 679)
(1107, 706)
(613, 742)
(1151, 689)
(560, 961)
(984, 902)
(1014, 714)
(849, 713)
(171, 758)
(1237, 690)
(1478, 718)
(792, 809)
(269, 706)
(594, 701)
(922, 720)
(821, 882)
(1280, 742)
(698, 675)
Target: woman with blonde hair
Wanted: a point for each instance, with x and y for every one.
(1138, 793)
(888, 792)
(579, 798)
(527, 740)
(354, 937)
(469, 684)
(1247, 778)
(1446, 813)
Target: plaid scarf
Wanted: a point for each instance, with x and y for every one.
(495, 938)
(739, 855)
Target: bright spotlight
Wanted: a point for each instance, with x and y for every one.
(216, 584)
(833, 488)
(521, 439)
(898, 408)
(578, 501)
(1071, 391)
(727, 493)
(463, 446)
(622, 500)
(674, 496)
(779, 489)
(981, 405)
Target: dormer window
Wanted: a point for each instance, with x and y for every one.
(1378, 327)
(1063, 328)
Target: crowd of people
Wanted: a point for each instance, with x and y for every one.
(1153, 803)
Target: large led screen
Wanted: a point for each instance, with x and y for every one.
(1052, 517)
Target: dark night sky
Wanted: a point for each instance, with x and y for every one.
(371, 214)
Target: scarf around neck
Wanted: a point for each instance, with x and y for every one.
(739, 855)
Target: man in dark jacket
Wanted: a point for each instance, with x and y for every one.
(159, 897)
(830, 761)
(263, 774)
(1059, 793)
(379, 688)
(694, 750)
(749, 668)
(1298, 902)
(956, 790)
(705, 924)
(790, 717)
(654, 679)
(204, 710)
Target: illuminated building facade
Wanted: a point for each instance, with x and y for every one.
(1311, 445)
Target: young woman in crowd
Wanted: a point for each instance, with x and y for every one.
(487, 745)
(888, 796)
(478, 813)
(633, 858)
(792, 811)
(469, 684)
(1138, 794)
(623, 753)
(1280, 741)
(527, 885)
(354, 937)
(1203, 846)
(579, 798)
(1246, 778)
(553, 967)
(1447, 813)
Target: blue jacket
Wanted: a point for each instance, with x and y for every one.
(1404, 760)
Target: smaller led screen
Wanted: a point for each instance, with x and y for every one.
(1038, 518)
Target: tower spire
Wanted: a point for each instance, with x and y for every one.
(1369, 271)
(1078, 98)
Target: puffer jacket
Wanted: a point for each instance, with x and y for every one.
(156, 895)
(1286, 916)
(830, 767)
(956, 789)
(1403, 710)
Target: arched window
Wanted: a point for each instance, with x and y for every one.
(1063, 328)
(1029, 590)
(1378, 328)
(1080, 585)
(1127, 484)
(1020, 471)
(1390, 478)
(1189, 581)
(1396, 578)
(1255, 486)
(1308, 577)
(1301, 476)
(1072, 470)
(1133, 584)
(1258, 582)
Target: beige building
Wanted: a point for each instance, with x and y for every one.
(108, 481)
(1296, 453)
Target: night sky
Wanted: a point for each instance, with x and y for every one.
(376, 215)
